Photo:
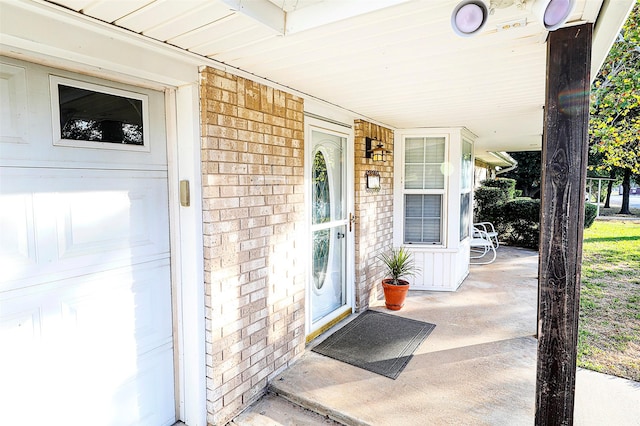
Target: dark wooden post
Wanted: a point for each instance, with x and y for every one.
(564, 172)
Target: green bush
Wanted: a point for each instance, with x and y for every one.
(522, 220)
(516, 220)
(488, 205)
(590, 213)
(505, 184)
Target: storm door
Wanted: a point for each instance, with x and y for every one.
(328, 289)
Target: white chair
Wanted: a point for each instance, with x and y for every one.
(489, 230)
(481, 245)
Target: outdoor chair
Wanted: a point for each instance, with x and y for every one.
(481, 245)
(489, 230)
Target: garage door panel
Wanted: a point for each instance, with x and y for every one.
(134, 404)
(28, 137)
(123, 312)
(109, 328)
(121, 221)
(13, 108)
(17, 228)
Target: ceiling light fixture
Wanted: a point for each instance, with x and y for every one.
(553, 13)
(470, 16)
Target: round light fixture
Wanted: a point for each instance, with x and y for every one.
(553, 13)
(469, 17)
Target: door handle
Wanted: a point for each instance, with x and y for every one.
(340, 235)
(352, 220)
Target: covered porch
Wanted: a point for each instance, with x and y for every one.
(263, 136)
(477, 367)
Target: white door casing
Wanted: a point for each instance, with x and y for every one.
(85, 287)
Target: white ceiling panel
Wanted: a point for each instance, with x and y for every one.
(400, 65)
(110, 11)
(155, 14)
(206, 13)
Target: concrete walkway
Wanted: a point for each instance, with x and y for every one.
(477, 367)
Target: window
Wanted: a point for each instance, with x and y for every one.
(94, 116)
(424, 189)
(466, 176)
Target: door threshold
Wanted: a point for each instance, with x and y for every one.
(310, 337)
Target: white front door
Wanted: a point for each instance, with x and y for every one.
(329, 283)
(85, 287)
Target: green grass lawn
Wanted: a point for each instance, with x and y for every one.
(609, 330)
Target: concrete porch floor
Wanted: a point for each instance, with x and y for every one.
(477, 367)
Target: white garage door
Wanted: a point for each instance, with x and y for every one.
(85, 290)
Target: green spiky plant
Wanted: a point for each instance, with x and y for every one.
(399, 263)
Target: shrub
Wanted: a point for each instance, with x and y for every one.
(505, 184)
(488, 203)
(522, 220)
(516, 220)
(590, 213)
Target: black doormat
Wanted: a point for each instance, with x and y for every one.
(377, 342)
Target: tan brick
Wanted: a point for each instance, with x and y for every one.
(253, 153)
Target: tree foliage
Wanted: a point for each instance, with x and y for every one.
(615, 103)
(527, 174)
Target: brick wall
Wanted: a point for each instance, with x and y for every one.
(253, 208)
(374, 212)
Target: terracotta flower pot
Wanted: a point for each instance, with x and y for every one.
(394, 295)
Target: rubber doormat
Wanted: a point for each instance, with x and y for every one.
(377, 342)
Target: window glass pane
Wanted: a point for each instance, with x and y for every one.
(413, 205)
(434, 179)
(434, 152)
(465, 215)
(413, 231)
(431, 205)
(414, 150)
(466, 166)
(413, 176)
(88, 115)
(431, 231)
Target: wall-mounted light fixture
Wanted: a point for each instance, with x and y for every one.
(470, 16)
(376, 154)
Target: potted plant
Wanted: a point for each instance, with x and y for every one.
(398, 263)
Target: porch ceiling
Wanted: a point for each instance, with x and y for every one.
(397, 62)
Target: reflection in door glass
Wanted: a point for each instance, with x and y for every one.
(320, 256)
(321, 195)
(321, 214)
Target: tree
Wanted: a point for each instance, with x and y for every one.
(527, 174)
(615, 106)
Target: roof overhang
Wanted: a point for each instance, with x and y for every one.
(393, 62)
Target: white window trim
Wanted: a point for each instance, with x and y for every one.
(399, 193)
(56, 81)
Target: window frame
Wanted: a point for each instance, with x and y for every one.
(56, 81)
(402, 191)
